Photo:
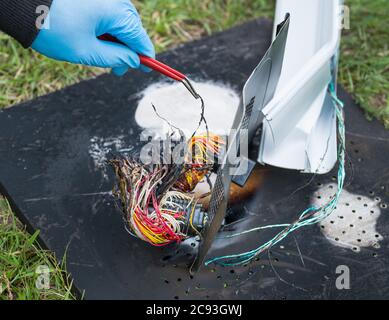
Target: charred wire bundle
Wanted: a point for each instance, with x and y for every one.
(157, 200)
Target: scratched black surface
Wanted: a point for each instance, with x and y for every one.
(49, 176)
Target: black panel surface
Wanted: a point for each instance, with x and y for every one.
(49, 176)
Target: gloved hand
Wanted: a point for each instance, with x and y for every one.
(73, 27)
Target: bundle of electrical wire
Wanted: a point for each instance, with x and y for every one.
(156, 199)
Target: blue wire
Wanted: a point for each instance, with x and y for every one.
(306, 218)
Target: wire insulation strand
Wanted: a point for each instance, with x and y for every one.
(309, 216)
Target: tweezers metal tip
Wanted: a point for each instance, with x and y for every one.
(186, 82)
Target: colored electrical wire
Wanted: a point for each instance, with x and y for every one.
(156, 200)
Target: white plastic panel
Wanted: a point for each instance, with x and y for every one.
(298, 133)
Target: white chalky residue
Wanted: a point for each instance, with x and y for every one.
(353, 223)
(174, 103)
(100, 148)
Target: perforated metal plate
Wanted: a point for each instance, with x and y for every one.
(49, 175)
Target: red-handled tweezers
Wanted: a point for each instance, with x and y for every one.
(158, 66)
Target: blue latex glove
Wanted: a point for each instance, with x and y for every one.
(73, 27)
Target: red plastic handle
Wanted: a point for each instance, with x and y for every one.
(150, 62)
(161, 68)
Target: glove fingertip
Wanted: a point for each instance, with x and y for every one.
(120, 71)
(145, 69)
(133, 60)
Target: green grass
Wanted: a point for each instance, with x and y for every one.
(364, 67)
(364, 63)
(24, 74)
(20, 259)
